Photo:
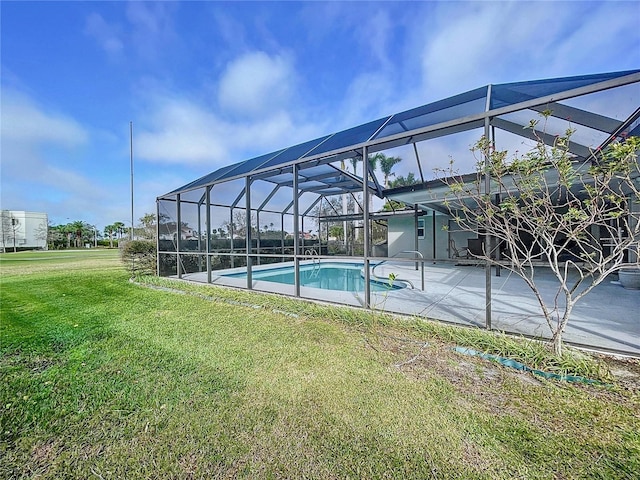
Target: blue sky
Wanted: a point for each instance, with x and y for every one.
(211, 83)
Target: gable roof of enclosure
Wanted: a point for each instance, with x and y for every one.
(455, 114)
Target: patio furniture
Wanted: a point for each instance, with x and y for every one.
(455, 252)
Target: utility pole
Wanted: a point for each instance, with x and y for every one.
(131, 164)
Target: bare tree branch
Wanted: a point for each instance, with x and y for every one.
(576, 218)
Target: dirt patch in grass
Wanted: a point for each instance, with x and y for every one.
(189, 465)
(422, 360)
(43, 455)
(516, 406)
(29, 361)
(472, 456)
(419, 359)
(475, 379)
(626, 371)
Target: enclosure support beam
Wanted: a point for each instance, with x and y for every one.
(433, 234)
(415, 149)
(315, 202)
(158, 237)
(248, 234)
(178, 236)
(498, 199)
(320, 227)
(296, 232)
(302, 236)
(238, 198)
(282, 234)
(208, 224)
(231, 234)
(269, 197)
(199, 239)
(487, 240)
(366, 231)
(416, 237)
(258, 236)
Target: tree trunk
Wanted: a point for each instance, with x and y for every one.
(557, 335)
(557, 342)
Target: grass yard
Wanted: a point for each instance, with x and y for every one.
(103, 378)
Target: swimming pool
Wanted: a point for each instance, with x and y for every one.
(346, 277)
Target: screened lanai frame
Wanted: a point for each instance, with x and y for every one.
(311, 168)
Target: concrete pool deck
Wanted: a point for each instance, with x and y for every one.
(608, 318)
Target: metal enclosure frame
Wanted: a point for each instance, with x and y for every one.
(313, 169)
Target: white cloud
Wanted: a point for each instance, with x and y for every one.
(458, 47)
(184, 132)
(152, 27)
(488, 42)
(476, 43)
(374, 34)
(367, 98)
(108, 36)
(24, 121)
(40, 156)
(30, 163)
(255, 84)
(275, 131)
(231, 30)
(254, 91)
(148, 29)
(602, 35)
(155, 183)
(151, 18)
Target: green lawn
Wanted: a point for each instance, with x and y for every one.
(104, 378)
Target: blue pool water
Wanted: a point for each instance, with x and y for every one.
(346, 277)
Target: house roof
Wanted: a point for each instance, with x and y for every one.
(316, 158)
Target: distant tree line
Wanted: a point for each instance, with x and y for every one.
(78, 233)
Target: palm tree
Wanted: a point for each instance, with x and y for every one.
(148, 221)
(373, 164)
(373, 161)
(402, 181)
(110, 230)
(77, 228)
(119, 226)
(386, 165)
(67, 230)
(354, 163)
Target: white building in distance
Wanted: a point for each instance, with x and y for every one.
(22, 230)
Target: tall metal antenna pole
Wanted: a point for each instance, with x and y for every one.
(131, 162)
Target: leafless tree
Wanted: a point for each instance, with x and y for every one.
(11, 227)
(548, 208)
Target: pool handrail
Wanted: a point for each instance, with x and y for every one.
(416, 254)
(312, 252)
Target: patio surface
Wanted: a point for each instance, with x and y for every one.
(608, 318)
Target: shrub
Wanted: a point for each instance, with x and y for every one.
(139, 257)
(107, 243)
